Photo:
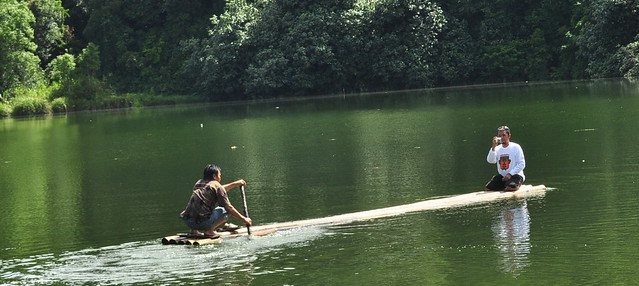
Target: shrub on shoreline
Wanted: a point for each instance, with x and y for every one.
(59, 105)
(23, 106)
(5, 110)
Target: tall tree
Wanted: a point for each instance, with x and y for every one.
(49, 28)
(139, 39)
(293, 47)
(216, 63)
(19, 66)
(607, 27)
(396, 47)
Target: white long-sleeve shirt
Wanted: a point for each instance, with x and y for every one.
(510, 159)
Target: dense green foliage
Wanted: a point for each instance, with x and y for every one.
(84, 53)
(282, 48)
(18, 62)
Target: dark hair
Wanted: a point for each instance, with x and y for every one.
(504, 128)
(210, 171)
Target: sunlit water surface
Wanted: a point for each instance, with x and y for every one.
(86, 197)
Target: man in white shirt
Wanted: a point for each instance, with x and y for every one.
(510, 161)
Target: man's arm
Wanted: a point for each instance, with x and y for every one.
(492, 157)
(234, 184)
(492, 153)
(231, 209)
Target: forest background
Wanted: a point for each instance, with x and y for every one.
(62, 55)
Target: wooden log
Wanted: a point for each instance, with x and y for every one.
(172, 239)
(182, 239)
(203, 241)
(432, 204)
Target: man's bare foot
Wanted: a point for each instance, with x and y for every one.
(211, 233)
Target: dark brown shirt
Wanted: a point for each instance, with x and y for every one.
(205, 197)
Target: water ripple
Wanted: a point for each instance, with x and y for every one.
(148, 262)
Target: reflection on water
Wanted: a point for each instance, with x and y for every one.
(512, 236)
(89, 173)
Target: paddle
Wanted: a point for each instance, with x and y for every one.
(248, 229)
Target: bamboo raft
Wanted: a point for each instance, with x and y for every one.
(183, 239)
(432, 204)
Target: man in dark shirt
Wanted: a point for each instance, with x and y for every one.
(209, 206)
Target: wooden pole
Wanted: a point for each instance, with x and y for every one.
(248, 228)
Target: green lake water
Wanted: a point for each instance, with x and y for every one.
(86, 197)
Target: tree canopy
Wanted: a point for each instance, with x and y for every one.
(239, 49)
(18, 62)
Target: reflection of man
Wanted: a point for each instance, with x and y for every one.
(511, 162)
(512, 233)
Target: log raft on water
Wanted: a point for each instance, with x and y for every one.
(432, 204)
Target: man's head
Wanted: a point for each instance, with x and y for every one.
(503, 132)
(211, 172)
(503, 128)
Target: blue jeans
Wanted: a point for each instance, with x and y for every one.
(218, 214)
